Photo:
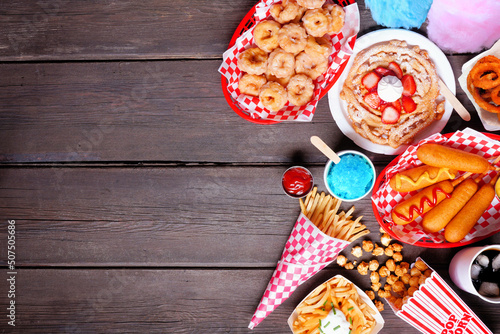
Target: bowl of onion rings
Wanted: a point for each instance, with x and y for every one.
(242, 39)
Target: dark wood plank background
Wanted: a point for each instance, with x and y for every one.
(142, 202)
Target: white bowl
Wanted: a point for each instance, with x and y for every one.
(329, 166)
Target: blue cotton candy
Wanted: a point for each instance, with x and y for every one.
(399, 14)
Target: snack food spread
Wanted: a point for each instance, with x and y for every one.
(380, 71)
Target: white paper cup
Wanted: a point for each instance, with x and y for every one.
(330, 164)
(460, 270)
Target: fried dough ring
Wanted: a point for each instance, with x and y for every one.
(286, 11)
(311, 4)
(292, 38)
(318, 48)
(281, 63)
(366, 121)
(265, 35)
(336, 17)
(304, 64)
(250, 84)
(300, 89)
(273, 96)
(316, 22)
(253, 61)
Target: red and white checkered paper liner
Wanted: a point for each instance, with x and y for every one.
(307, 251)
(386, 198)
(436, 309)
(343, 42)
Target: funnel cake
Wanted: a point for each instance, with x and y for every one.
(392, 123)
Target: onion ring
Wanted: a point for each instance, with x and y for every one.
(483, 82)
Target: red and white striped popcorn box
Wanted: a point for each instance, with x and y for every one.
(436, 309)
(385, 198)
(307, 251)
(342, 42)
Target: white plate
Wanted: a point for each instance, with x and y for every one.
(338, 107)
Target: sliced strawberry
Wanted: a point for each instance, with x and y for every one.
(370, 80)
(408, 104)
(390, 115)
(372, 99)
(396, 69)
(396, 104)
(384, 71)
(409, 86)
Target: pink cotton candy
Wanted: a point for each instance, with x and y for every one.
(464, 25)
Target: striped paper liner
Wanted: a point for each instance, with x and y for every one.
(436, 308)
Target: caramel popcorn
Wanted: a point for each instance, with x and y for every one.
(374, 277)
(388, 251)
(397, 256)
(391, 265)
(367, 245)
(370, 294)
(396, 247)
(414, 281)
(420, 265)
(411, 290)
(428, 273)
(385, 239)
(379, 305)
(349, 265)
(357, 251)
(391, 279)
(341, 260)
(373, 265)
(398, 286)
(384, 272)
(400, 271)
(384, 293)
(363, 268)
(376, 286)
(377, 251)
(406, 278)
(415, 272)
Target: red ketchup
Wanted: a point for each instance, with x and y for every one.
(420, 210)
(297, 181)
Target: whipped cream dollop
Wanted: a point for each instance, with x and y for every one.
(335, 323)
(389, 88)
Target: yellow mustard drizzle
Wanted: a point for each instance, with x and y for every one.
(424, 176)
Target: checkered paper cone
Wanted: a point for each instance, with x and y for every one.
(342, 42)
(385, 198)
(307, 251)
(435, 309)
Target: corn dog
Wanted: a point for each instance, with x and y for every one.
(408, 210)
(443, 213)
(443, 156)
(466, 218)
(420, 177)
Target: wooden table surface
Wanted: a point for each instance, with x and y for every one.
(142, 203)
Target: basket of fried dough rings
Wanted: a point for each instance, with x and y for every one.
(247, 23)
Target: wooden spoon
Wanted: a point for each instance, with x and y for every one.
(459, 108)
(325, 149)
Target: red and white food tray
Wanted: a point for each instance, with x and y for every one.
(384, 198)
(436, 308)
(307, 251)
(343, 43)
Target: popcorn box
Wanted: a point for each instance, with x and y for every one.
(385, 198)
(436, 309)
(342, 44)
(307, 251)
(378, 317)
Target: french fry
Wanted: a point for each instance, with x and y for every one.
(323, 211)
